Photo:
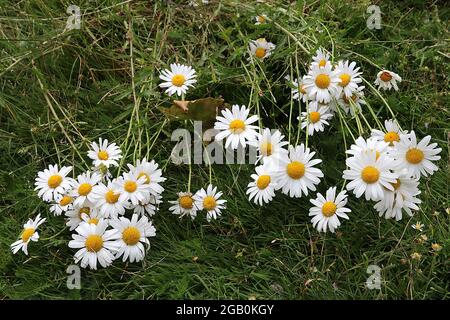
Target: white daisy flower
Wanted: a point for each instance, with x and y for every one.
(262, 188)
(296, 173)
(178, 79)
(316, 117)
(363, 146)
(95, 243)
(235, 126)
(106, 199)
(298, 90)
(327, 210)
(354, 103)
(350, 77)
(369, 174)
(184, 205)
(104, 153)
(261, 19)
(149, 206)
(321, 58)
(93, 217)
(133, 235)
(387, 80)
(261, 49)
(28, 234)
(391, 135)
(62, 204)
(416, 157)
(321, 83)
(74, 216)
(269, 146)
(418, 226)
(52, 182)
(82, 188)
(402, 198)
(153, 175)
(210, 201)
(133, 188)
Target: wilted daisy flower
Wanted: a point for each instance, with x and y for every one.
(132, 187)
(262, 188)
(261, 19)
(104, 153)
(387, 79)
(210, 201)
(416, 157)
(75, 215)
(321, 58)
(269, 146)
(354, 103)
(153, 175)
(403, 197)
(350, 77)
(62, 204)
(321, 83)
(369, 174)
(106, 199)
(28, 234)
(296, 173)
(133, 236)
(149, 206)
(178, 79)
(363, 146)
(184, 205)
(418, 226)
(235, 126)
(327, 210)
(260, 48)
(82, 188)
(95, 244)
(391, 135)
(316, 117)
(52, 182)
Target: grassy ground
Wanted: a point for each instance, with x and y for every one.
(59, 91)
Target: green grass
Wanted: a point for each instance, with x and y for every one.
(59, 91)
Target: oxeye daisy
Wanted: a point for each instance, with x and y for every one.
(210, 201)
(74, 215)
(416, 156)
(134, 234)
(53, 182)
(149, 206)
(349, 76)
(261, 49)
(327, 210)
(387, 80)
(298, 90)
(391, 135)
(262, 188)
(321, 58)
(354, 103)
(104, 153)
(95, 243)
(184, 205)
(363, 146)
(235, 126)
(402, 198)
(133, 188)
(28, 234)
(269, 146)
(62, 204)
(82, 188)
(93, 217)
(316, 117)
(369, 174)
(106, 199)
(261, 19)
(151, 173)
(296, 172)
(178, 79)
(321, 83)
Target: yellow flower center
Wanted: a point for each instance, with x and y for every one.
(396, 184)
(130, 186)
(414, 156)
(93, 221)
(147, 177)
(346, 99)
(260, 53)
(345, 79)
(94, 243)
(85, 210)
(131, 236)
(54, 181)
(65, 201)
(370, 174)
(391, 137)
(386, 76)
(237, 126)
(209, 203)
(301, 88)
(261, 19)
(111, 197)
(295, 170)
(103, 155)
(84, 189)
(323, 81)
(314, 116)
(186, 202)
(322, 63)
(178, 80)
(263, 181)
(329, 209)
(27, 233)
(266, 148)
